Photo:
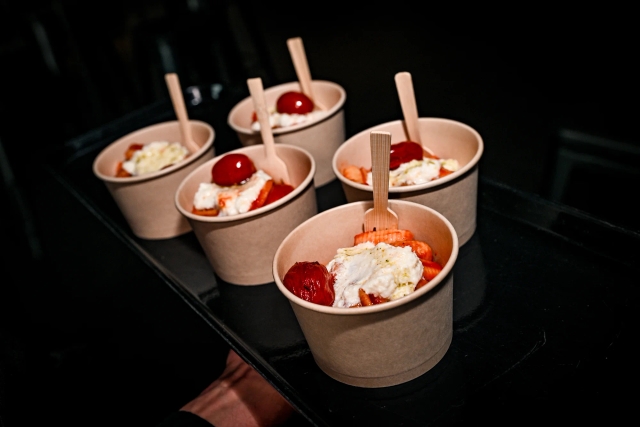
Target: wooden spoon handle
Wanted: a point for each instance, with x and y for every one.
(299, 58)
(260, 104)
(277, 166)
(380, 156)
(404, 84)
(380, 217)
(175, 91)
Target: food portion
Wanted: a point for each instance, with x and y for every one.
(291, 108)
(151, 157)
(236, 187)
(409, 164)
(310, 281)
(382, 266)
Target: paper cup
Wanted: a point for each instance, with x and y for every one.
(240, 248)
(320, 137)
(454, 196)
(146, 201)
(385, 344)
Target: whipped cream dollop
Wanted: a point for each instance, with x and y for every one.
(417, 171)
(232, 200)
(283, 120)
(155, 156)
(384, 270)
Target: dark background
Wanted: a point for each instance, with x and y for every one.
(552, 91)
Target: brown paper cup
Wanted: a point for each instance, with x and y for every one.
(454, 196)
(385, 344)
(240, 248)
(321, 138)
(146, 201)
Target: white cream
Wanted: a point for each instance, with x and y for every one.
(232, 200)
(417, 171)
(155, 156)
(283, 120)
(384, 270)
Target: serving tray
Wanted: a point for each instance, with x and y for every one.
(545, 306)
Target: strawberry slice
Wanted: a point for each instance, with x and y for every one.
(364, 298)
(431, 269)
(387, 236)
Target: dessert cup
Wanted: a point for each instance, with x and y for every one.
(240, 248)
(320, 137)
(146, 201)
(384, 344)
(454, 196)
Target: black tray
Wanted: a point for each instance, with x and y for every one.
(545, 307)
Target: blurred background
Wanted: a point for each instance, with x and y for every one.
(552, 91)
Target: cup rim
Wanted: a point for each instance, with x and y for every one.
(220, 219)
(162, 172)
(354, 311)
(417, 187)
(294, 84)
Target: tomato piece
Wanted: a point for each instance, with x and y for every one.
(444, 172)
(294, 103)
(261, 200)
(431, 269)
(121, 172)
(205, 212)
(232, 169)
(278, 191)
(377, 299)
(386, 236)
(404, 152)
(310, 281)
(370, 299)
(132, 149)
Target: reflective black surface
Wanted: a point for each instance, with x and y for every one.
(545, 309)
(94, 321)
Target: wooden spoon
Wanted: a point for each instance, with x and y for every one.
(299, 58)
(173, 83)
(380, 217)
(277, 168)
(409, 108)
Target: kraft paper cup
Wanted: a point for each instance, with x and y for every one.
(240, 248)
(146, 201)
(385, 344)
(454, 196)
(320, 137)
